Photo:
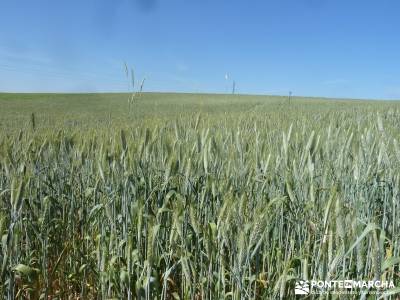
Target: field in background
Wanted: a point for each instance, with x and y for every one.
(194, 196)
(93, 110)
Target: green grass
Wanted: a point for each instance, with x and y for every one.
(193, 196)
(93, 109)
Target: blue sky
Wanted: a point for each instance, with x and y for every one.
(311, 47)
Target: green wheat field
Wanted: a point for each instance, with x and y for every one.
(195, 196)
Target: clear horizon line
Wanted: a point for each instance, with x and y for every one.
(199, 93)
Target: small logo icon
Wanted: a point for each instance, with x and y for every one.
(302, 287)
